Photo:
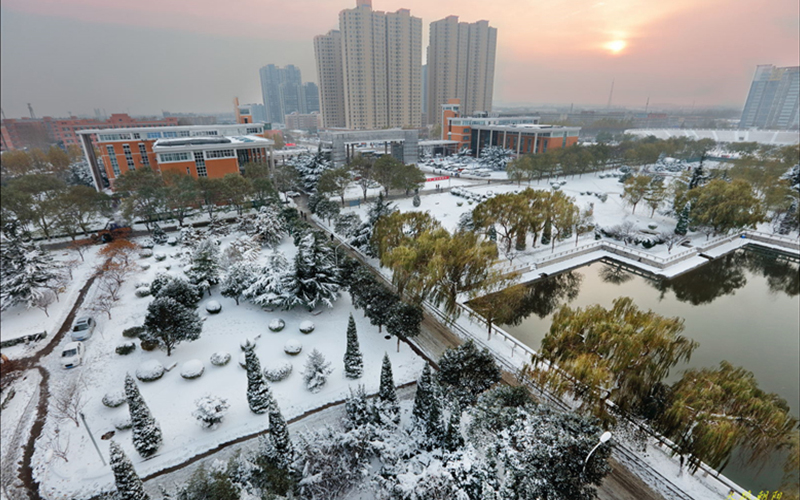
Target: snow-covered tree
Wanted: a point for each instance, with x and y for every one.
(259, 395)
(327, 210)
(467, 371)
(146, 431)
(269, 226)
(204, 270)
(309, 168)
(424, 397)
(353, 362)
(279, 437)
(210, 410)
(176, 289)
(240, 277)
(316, 371)
(169, 323)
(348, 224)
(699, 177)
(387, 408)
(129, 486)
(453, 439)
(404, 321)
(496, 157)
(315, 275)
(362, 238)
(241, 249)
(27, 272)
(79, 174)
(683, 220)
(267, 288)
(358, 409)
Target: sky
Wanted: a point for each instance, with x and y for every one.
(146, 56)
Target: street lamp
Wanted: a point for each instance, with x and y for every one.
(604, 437)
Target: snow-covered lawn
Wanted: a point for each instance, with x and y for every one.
(171, 399)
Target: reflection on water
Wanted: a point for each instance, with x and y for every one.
(742, 307)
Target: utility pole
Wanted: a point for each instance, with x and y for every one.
(610, 95)
(95, 442)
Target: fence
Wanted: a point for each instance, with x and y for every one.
(34, 337)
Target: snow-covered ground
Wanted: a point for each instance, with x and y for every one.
(19, 410)
(171, 399)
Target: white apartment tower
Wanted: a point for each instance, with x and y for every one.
(460, 66)
(380, 63)
(328, 52)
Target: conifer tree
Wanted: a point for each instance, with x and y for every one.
(358, 409)
(683, 220)
(238, 279)
(424, 396)
(314, 280)
(698, 177)
(434, 425)
(129, 486)
(268, 288)
(259, 396)
(316, 371)
(269, 226)
(279, 436)
(353, 362)
(453, 440)
(169, 323)
(388, 409)
(547, 232)
(204, 271)
(27, 271)
(177, 289)
(146, 431)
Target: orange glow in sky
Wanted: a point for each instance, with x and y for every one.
(616, 46)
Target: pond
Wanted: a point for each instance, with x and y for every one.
(743, 307)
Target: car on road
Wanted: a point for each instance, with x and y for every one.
(83, 328)
(72, 355)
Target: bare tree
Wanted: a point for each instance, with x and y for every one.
(59, 447)
(69, 401)
(103, 304)
(80, 246)
(43, 299)
(671, 239)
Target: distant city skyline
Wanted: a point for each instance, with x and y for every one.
(147, 56)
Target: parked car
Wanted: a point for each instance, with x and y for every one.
(72, 355)
(83, 328)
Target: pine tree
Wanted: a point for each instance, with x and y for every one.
(404, 321)
(169, 323)
(177, 289)
(416, 201)
(240, 277)
(453, 440)
(434, 426)
(259, 396)
(547, 232)
(424, 397)
(146, 431)
(204, 270)
(315, 276)
(27, 271)
(466, 371)
(388, 410)
(279, 436)
(683, 220)
(129, 486)
(316, 371)
(267, 288)
(269, 226)
(698, 177)
(353, 362)
(358, 409)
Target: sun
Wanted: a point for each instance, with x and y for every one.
(616, 46)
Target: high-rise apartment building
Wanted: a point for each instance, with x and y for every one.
(380, 60)
(328, 53)
(284, 93)
(312, 97)
(774, 99)
(460, 66)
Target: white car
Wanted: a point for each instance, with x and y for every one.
(72, 355)
(83, 328)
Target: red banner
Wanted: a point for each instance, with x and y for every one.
(445, 178)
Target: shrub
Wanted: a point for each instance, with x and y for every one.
(220, 358)
(142, 292)
(114, 399)
(123, 423)
(293, 347)
(213, 307)
(306, 327)
(150, 371)
(145, 253)
(192, 369)
(148, 243)
(125, 348)
(148, 345)
(210, 410)
(279, 373)
(277, 325)
(132, 332)
(172, 241)
(160, 256)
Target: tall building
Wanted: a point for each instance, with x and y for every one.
(460, 66)
(773, 100)
(312, 97)
(380, 61)
(328, 53)
(293, 99)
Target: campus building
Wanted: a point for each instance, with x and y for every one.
(774, 99)
(297, 121)
(521, 134)
(200, 151)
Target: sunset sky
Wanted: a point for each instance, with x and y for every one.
(145, 56)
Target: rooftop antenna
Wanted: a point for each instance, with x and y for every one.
(30, 109)
(610, 94)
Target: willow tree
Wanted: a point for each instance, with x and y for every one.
(720, 207)
(714, 411)
(619, 353)
(500, 307)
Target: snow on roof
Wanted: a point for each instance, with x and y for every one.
(206, 142)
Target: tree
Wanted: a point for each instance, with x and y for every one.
(58, 159)
(404, 321)
(714, 411)
(348, 224)
(146, 431)
(237, 191)
(408, 177)
(500, 306)
(353, 362)
(327, 209)
(259, 395)
(310, 168)
(240, 277)
(334, 182)
(387, 409)
(359, 412)
(144, 192)
(279, 437)
(169, 323)
(176, 289)
(424, 398)
(270, 227)
(314, 279)
(496, 157)
(78, 206)
(203, 485)
(636, 188)
(285, 178)
(204, 269)
(210, 192)
(16, 163)
(453, 440)
(720, 207)
(37, 200)
(467, 371)
(618, 354)
(267, 288)
(316, 371)
(129, 486)
(210, 410)
(683, 220)
(386, 170)
(363, 169)
(27, 272)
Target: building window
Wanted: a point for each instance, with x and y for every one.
(220, 153)
(170, 134)
(136, 135)
(183, 133)
(253, 130)
(154, 135)
(143, 152)
(114, 137)
(126, 148)
(112, 157)
(200, 164)
(171, 157)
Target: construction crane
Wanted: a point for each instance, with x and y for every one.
(30, 109)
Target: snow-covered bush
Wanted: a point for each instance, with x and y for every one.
(220, 358)
(114, 399)
(142, 292)
(148, 243)
(150, 370)
(144, 267)
(293, 347)
(145, 253)
(148, 345)
(125, 348)
(123, 423)
(279, 373)
(316, 371)
(213, 307)
(160, 256)
(192, 369)
(307, 326)
(277, 325)
(132, 332)
(210, 410)
(172, 241)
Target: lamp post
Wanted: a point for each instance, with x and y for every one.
(604, 437)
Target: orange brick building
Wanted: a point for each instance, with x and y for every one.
(523, 135)
(200, 151)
